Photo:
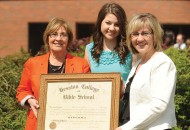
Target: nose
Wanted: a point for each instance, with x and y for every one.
(58, 37)
(140, 37)
(112, 27)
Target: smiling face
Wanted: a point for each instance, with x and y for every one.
(150, 34)
(110, 27)
(58, 40)
(142, 40)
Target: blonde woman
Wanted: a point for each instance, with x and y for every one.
(152, 81)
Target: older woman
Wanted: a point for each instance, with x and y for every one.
(150, 88)
(57, 36)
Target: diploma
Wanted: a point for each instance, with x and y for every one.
(78, 103)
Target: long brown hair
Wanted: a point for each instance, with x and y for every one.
(121, 47)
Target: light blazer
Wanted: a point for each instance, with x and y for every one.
(152, 95)
(30, 80)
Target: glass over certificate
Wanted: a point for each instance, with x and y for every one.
(78, 102)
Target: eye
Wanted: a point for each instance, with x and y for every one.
(145, 34)
(116, 25)
(108, 23)
(63, 34)
(54, 34)
(135, 34)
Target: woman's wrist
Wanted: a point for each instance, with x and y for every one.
(27, 101)
(30, 99)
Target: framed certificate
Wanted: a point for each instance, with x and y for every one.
(79, 101)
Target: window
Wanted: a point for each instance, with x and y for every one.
(84, 30)
(35, 37)
(184, 29)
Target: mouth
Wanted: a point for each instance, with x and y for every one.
(58, 44)
(141, 44)
(110, 33)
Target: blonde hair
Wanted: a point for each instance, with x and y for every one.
(148, 20)
(54, 25)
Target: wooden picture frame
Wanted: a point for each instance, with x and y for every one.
(79, 101)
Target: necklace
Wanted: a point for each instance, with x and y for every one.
(57, 69)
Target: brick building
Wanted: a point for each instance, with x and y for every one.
(22, 22)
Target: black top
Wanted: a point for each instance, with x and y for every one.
(124, 116)
(56, 69)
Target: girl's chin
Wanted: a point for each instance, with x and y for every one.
(110, 38)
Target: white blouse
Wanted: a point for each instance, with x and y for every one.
(152, 95)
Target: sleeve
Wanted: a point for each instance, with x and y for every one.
(24, 91)
(163, 79)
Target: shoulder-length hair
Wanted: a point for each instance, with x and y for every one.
(148, 20)
(54, 25)
(121, 47)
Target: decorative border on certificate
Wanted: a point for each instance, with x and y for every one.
(79, 101)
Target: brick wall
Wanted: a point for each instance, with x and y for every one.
(15, 16)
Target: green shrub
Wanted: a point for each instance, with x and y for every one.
(12, 115)
(77, 48)
(182, 97)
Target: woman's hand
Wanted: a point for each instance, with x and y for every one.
(34, 105)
